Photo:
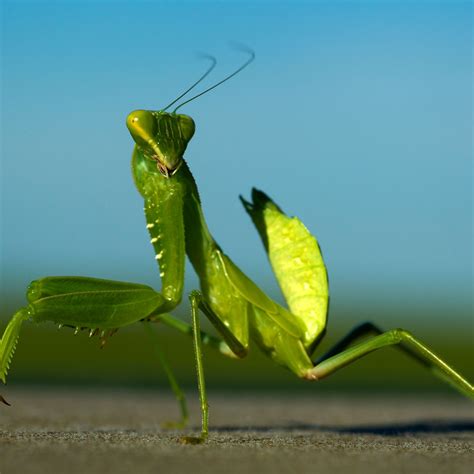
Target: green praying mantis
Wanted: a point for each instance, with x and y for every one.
(238, 309)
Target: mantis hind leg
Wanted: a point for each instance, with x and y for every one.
(404, 339)
(356, 333)
(361, 331)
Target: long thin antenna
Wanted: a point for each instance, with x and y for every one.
(213, 65)
(252, 57)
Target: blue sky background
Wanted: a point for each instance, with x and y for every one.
(357, 117)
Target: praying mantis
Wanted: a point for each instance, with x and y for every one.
(238, 309)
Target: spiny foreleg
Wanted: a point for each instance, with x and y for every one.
(96, 305)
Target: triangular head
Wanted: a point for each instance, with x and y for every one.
(161, 137)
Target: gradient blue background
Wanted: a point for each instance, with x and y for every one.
(355, 117)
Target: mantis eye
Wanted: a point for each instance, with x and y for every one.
(187, 126)
(142, 126)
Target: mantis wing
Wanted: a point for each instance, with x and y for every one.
(297, 262)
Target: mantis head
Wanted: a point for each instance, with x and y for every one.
(161, 137)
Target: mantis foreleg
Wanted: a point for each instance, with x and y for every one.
(9, 341)
(100, 306)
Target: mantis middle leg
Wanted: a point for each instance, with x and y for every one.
(198, 302)
(199, 338)
(195, 299)
(178, 392)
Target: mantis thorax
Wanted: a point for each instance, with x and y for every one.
(161, 137)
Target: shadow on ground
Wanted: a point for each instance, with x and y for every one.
(435, 427)
(111, 431)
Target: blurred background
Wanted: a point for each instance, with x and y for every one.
(357, 117)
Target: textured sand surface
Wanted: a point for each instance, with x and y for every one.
(80, 431)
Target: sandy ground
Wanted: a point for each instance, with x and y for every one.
(58, 431)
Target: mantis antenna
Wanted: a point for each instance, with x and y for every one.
(213, 65)
(241, 68)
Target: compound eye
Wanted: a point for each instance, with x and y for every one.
(187, 126)
(142, 125)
